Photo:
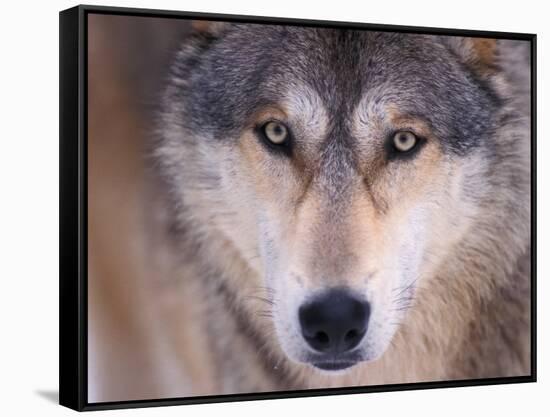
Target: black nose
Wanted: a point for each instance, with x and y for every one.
(334, 322)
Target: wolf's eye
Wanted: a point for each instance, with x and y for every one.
(275, 132)
(404, 141)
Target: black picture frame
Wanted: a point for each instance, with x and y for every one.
(73, 355)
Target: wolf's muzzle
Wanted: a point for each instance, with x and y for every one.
(333, 324)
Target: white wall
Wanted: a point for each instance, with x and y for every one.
(29, 204)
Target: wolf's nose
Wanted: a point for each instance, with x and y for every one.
(334, 322)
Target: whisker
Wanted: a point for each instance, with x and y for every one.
(405, 288)
(260, 298)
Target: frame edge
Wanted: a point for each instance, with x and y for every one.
(70, 323)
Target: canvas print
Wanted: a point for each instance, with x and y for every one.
(280, 207)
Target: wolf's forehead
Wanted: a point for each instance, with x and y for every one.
(303, 102)
(321, 118)
(319, 114)
(345, 76)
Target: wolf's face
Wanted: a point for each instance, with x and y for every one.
(341, 164)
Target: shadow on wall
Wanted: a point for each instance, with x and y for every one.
(49, 395)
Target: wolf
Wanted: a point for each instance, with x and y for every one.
(346, 207)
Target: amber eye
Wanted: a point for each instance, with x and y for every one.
(404, 141)
(275, 132)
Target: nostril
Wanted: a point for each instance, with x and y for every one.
(352, 338)
(351, 335)
(321, 338)
(319, 341)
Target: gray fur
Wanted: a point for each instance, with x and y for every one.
(219, 80)
(235, 76)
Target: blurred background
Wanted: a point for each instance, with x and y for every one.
(127, 62)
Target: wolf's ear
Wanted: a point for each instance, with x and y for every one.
(208, 27)
(480, 54)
